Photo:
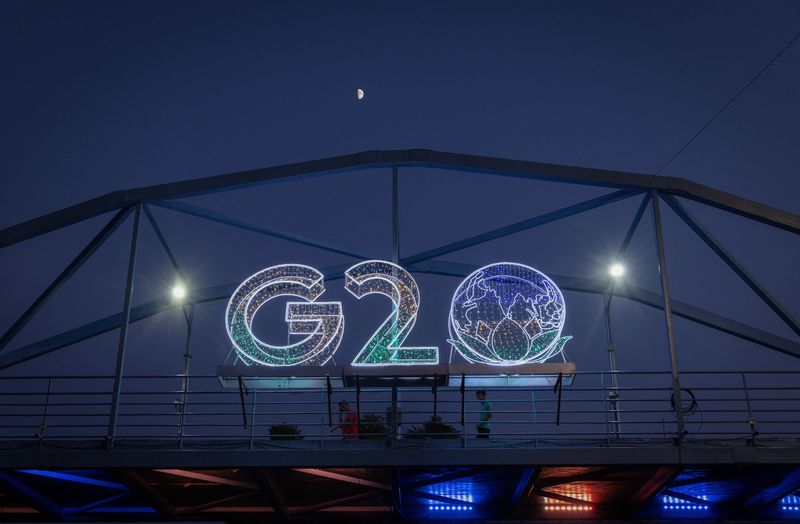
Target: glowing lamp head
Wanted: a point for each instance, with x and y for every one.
(616, 270)
(179, 291)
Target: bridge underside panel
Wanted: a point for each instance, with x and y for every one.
(520, 492)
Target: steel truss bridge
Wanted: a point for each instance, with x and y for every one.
(612, 445)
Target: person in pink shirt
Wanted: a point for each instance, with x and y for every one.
(348, 422)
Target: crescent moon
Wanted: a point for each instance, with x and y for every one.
(359, 93)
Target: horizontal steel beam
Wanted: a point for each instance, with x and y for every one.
(401, 158)
(343, 502)
(558, 496)
(222, 218)
(592, 475)
(332, 475)
(408, 457)
(517, 227)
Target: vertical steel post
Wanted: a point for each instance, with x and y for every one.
(751, 421)
(123, 330)
(395, 414)
(397, 496)
(395, 238)
(395, 219)
(606, 403)
(241, 401)
(322, 418)
(463, 391)
(253, 419)
(613, 395)
(559, 387)
(662, 270)
(43, 423)
(535, 418)
(358, 401)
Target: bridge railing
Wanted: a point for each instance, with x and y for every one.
(599, 408)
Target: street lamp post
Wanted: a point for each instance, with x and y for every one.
(616, 271)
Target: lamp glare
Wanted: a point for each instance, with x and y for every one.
(179, 291)
(616, 270)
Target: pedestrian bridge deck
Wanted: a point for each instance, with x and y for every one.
(210, 453)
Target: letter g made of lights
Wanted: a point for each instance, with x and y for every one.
(323, 322)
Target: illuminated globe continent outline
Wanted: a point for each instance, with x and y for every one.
(506, 314)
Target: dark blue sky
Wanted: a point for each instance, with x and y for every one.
(101, 96)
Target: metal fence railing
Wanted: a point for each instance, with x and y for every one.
(158, 411)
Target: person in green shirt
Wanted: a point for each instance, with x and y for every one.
(484, 426)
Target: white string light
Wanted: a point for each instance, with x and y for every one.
(323, 322)
(385, 346)
(505, 314)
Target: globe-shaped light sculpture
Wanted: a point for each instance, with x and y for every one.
(506, 314)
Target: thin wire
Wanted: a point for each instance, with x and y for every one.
(731, 101)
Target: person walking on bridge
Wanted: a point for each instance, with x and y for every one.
(348, 422)
(484, 426)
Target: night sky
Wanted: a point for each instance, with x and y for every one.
(101, 96)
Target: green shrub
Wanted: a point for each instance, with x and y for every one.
(372, 426)
(284, 432)
(433, 428)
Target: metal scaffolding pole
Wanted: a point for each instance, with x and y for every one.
(662, 270)
(123, 332)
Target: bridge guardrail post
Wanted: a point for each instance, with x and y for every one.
(182, 405)
(43, 423)
(606, 402)
(464, 425)
(323, 398)
(253, 419)
(751, 421)
(535, 418)
(395, 426)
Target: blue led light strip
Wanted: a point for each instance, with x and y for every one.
(675, 503)
(790, 503)
(437, 507)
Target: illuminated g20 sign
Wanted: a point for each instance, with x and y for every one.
(502, 314)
